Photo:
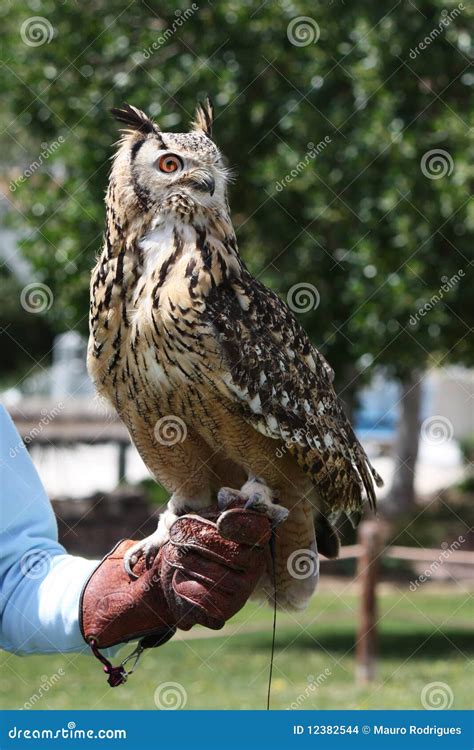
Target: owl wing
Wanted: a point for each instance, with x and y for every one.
(283, 386)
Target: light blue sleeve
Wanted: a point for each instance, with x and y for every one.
(40, 584)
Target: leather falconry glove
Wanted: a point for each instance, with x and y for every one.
(203, 575)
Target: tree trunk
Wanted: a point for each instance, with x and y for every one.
(401, 497)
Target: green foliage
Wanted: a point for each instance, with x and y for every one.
(360, 221)
(154, 492)
(467, 448)
(466, 485)
(440, 522)
(26, 336)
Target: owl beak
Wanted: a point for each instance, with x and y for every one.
(204, 183)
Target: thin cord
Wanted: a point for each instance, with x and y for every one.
(272, 554)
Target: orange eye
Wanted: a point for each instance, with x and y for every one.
(169, 163)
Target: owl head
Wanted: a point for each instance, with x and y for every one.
(154, 170)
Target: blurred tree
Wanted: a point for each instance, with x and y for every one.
(363, 218)
(26, 336)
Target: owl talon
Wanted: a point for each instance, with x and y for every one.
(255, 495)
(147, 548)
(276, 513)
(256, 503)
(226, 496)
(128, 562)
(150, 557)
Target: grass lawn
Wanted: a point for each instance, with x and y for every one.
(424, 636)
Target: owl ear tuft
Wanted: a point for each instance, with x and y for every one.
(135, 119)
(203, 117)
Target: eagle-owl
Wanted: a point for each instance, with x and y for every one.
(215, 379)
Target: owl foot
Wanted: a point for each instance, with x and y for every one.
(255, 495)
(147, 548)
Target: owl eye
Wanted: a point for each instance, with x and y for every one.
(169, 163)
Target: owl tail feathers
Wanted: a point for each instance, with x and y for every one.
(377, 478)
(367, 474)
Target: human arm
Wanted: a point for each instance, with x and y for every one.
(40, 584)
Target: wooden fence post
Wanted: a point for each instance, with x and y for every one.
(122, 462)
(371, 541)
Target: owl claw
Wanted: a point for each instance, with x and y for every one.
(276, 513)
(128, 563)
(260, 502)
(226, 496)
(147, 548)
(150, 557)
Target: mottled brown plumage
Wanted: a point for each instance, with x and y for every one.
(216, 381)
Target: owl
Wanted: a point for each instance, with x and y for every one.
(220, 388)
